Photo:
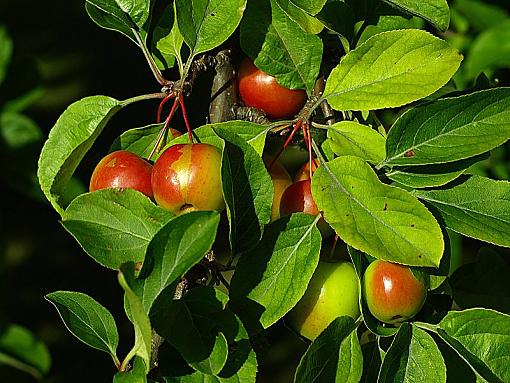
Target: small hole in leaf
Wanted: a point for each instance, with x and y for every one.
(412, 225)
(385, 207)
(213, 14)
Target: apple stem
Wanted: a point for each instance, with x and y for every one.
(333, 248)
(296, 126)
(185, 116)
(164, 129)
(161, 105)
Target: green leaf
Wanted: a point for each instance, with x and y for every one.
(335, 356)
(18, 131)
(483, 283)
(119, 15)
(490, 50)
(270, 279)
(191, 326)
(351, 138)
(20, 349)
(450, 129)
(5, 52)
(114, 226)
(371, 362)
(174, 250)
(383, 221)
(481, 15)
(254, 134)
(205, 24)
(170, 45)
(478, 207)
(387, 23)
(427, 176)
(276, 44)
(311, 6)
(87, 320)
(137, 315)
(135, 375)
(338, 17)
(436, 12)
(307, 23)
(68, 142)
(482, 338)
(391, 69)
(248, 191)
(412, 357)
(139, 140)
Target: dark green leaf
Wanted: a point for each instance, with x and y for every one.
(271, 278)
(426, 176)
(307, 22)
(177, 247)
(384, 71)
(205, 24)
(5, 52)
(137, 315)
(338, 17)
(86, 319)
(311, 6)
(168, 40)
(140, 141)
(114, 226)
(276, 44)
(335, 356)
(484, 283)
(450, 129)
(18, 131)
(68, 142)
(436, 12)
(383, 221)
(248, 191)
(19, 348)
(477, 207)
(482, 338)
(481, 15)
(119, 15)
(412, 357)
(371, 362)
(190, 325)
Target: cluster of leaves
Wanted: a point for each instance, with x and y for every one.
(388, 196)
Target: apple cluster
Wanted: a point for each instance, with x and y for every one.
(187, 177)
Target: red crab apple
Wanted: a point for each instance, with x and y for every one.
(260, 90)
(394, 293)
(298, 198)
(122, 169)
(281, 181)
(187, 177)
(332, 292)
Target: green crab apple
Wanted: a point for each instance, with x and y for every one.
(332, 292)
(187, 177)
(394, 293)
(260, 90)
(122, 169)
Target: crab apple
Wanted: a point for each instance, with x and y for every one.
(122, 169)
(281, 181)
(332, 292)
(260, 90)
(187, 177)
(394, 293)
(304, 173)
(298, 198)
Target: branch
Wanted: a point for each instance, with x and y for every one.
(223, 91)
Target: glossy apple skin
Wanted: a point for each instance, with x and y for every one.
(304, 173)
(298, 198)
(187, 177)
(281, 181)
(260, 90)
(333, 291)
(122, 169)
(394, 293)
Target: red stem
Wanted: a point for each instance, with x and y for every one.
(297, 125)
(164, 129)
(161, 105)
(185, 116)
